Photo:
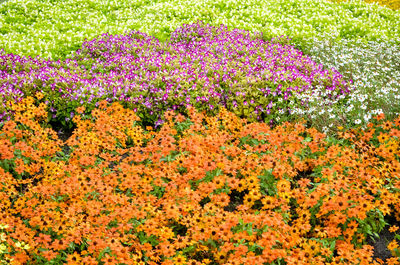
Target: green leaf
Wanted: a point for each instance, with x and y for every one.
(107, 250)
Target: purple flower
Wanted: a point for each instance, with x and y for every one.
(159, 122)
(144, 71)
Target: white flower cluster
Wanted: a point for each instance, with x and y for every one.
(373, 66)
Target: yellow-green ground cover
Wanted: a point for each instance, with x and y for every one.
(55, 29)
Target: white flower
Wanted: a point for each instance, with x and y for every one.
(2, 237)
(349, 108)
(22, 245)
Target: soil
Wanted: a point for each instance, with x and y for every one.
(380, 244)
(63, 135)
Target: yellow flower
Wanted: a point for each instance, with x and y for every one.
(166, 233)
(201, 248)
(206, 261)
(4, 226)
(179, 260)
(39, 95)
(2, 248)
(285, 196)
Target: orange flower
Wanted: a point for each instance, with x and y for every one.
(393, 245)
(80, 109)
(189, 188)
(74, 258)
(103, 104)
(49, 254)
(393, 261)
(20, 258)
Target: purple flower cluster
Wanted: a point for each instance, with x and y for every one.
(201, 65)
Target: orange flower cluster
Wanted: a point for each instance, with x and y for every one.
(393, 4)
(200, 190)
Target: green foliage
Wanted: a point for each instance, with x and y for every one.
(56, 28)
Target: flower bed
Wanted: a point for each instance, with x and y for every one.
(172, 144)
(201, 65)
(200, 190)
